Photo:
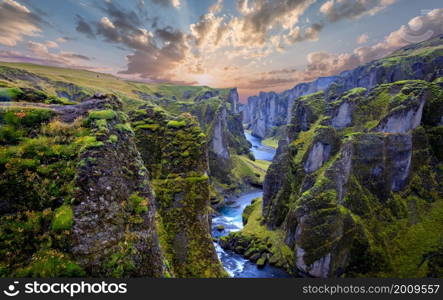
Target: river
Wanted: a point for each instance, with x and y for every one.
(230, 217)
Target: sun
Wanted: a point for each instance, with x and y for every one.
(205, 79)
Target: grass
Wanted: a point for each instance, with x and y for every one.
(63, 218)
(270, 142)
(246, 168)
(128, 91)
(102, 114)
(9, 94)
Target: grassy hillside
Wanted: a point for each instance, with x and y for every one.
(133, 94)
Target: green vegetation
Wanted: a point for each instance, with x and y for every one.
(9, 94)
(176, 124)
(258, 243)
(63, 218)
(270, 142)
(102, 114)
(138, 204)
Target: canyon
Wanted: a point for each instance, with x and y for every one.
(104, 177)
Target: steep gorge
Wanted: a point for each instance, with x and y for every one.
(98, 186)
(265, 113)
(356, 186)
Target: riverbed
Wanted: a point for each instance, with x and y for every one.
(230, 217)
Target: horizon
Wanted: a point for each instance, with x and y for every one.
(266, 45)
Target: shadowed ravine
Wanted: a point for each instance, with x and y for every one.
(230, 218)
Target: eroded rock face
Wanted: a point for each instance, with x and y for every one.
(343, 117)
(261, 116)
(175, 154)
(319, 268)
(233, 99)
(318, 155)
(269, 110)
(403, 120)
(277, 187)
(90, 203)
(399, 156)
(219, 143)
(103, 226)
(355, 156)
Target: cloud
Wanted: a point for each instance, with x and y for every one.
(84, 27)
(309, 34)
(208, 31)
(266, 83)
(157, 61)
(336, 10)
(216, 7)
(51, 44)
(70, 55)
(17, 21)
(363, 39)
(282, 71)
(41, 51)
(166, 3)
(64, 39)
(262, 17)
(155, 53)
(418, 29)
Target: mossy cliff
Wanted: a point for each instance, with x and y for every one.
(356, 186)
(217, 110)
(175, 154)
(359, 184)
(76, 198)
(268, 111)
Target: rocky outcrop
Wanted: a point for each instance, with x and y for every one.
(221, 121)
(403, 120)
(175, 153)
(219, 141)
(343, 116)
(114, 231)
(89, 209)
(268, 110)
(234, 100)
(86, 196)
(318, 155)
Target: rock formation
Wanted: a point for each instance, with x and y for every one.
(355, 188)
(269, 110)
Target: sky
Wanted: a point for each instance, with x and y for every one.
(261, 45)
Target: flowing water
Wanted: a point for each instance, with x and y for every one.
(230, 217)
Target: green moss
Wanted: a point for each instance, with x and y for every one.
(152, 127)
(63, 218)
(121, 262)
(25, 117)
(113, 138)
(270, 142)
(51, 264)
(260, 239)
(102, 125)
(10, 94)
(88, 142)
(102, 114)
(138, 204)
(126, 127)
(176, 124)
